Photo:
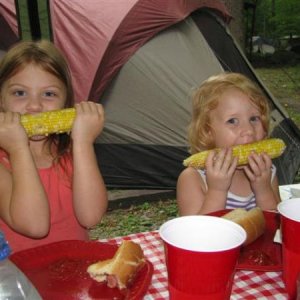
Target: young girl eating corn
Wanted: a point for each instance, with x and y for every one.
(51, 188)
(228, 110)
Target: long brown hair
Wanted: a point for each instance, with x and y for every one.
(44, 54)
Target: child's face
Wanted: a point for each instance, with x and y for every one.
(33, 90)
(236, 120)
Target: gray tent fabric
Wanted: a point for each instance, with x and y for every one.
(152, 94)
(148, 106)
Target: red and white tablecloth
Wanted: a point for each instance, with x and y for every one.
(247, 284)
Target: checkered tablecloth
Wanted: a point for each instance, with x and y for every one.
(247, 284)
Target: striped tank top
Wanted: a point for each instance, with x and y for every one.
(235, 201)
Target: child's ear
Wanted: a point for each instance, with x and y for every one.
(210, 137)
(210, 132)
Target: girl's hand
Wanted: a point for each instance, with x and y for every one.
(12, 133)
(259, 172)
(219, 169)
(88, 123)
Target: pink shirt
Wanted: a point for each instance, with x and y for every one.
(64, 225)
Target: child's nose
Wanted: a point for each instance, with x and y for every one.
(34, 103)
(247, 129)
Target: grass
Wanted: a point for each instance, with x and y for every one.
(149, 215)
(146, 216)
(285, 86)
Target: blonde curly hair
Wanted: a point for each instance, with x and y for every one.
(206, 99)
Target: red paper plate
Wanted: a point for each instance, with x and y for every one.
(58, 270)
(263, 254)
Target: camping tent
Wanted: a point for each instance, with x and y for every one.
(142, 59)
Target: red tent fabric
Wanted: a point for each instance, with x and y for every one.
(98, 37)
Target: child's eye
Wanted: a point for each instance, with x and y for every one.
(255, 119)
(50, 94)
(232, 121)
(19, 93)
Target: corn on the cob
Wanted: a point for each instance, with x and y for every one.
(45, 123)
(273, 147)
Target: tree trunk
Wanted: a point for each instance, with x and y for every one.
(237, 24)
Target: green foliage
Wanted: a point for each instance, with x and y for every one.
(284, 84)
(287, 19)
(277, 18)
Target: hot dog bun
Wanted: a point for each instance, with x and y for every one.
(253, 221)
(120, 270)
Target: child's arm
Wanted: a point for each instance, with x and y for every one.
(23, 202)
(190, 192)
(259, 174)
(194, 197)
(89, 192)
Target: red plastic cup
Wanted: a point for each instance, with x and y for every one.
(290, 230)
(201, 255)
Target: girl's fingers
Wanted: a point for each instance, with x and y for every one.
(233, 165)
(210, 159)
(228, 159)
(254, 163)
(224, 159)
(219, 158)
(259, 163)
(267, 160)
(9, 117)
(89, 106)
(100, 108)
(249, 173)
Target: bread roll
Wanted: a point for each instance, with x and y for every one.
(120, 270)
(253, 221)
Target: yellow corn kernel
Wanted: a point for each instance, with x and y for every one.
(273, 147)
(57, 121)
